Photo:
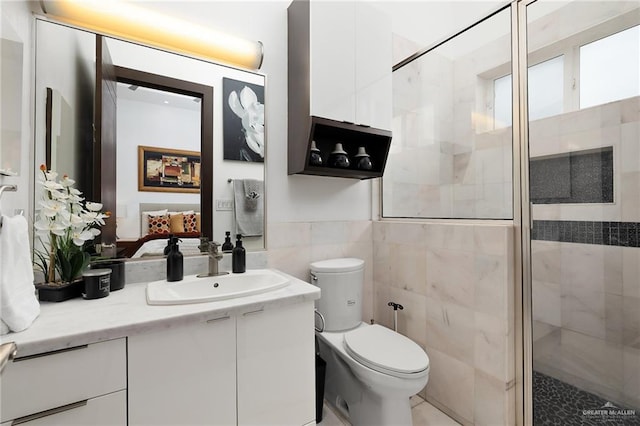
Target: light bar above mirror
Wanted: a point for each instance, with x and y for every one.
(130, 22)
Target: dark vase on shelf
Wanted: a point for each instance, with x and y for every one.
(339, 157)
(315, 158)
(363, 161)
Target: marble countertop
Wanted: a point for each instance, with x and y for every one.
(126, 312)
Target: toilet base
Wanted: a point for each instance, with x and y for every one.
(361, 405)
(374, 412)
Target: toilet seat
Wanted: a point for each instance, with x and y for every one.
(386, 351)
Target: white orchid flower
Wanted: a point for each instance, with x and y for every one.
(79, 237)
(50, 208)
(95, 231)
(251, 112)
(50, 226)
(51, 175)
(92, 218)
(66, 181)
(51, 185)
(94, 207)
(76, 220)
(59, 195)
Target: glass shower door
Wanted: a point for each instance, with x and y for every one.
(584, 180)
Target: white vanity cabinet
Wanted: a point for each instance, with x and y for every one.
(191, 374)
(75, 386)
(184, 375)
(276, 367)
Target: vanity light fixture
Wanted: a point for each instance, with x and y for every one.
(125, 20)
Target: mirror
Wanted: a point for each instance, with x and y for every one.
(154, 139)
(11, 58)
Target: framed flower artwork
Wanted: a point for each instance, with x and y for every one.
(243, 120)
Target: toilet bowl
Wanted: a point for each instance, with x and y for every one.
(372, 371)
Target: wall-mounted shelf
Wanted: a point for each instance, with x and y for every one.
(326, 134)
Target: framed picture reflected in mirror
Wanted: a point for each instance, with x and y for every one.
(168, 170)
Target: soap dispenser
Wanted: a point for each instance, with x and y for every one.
(238, 257)
(227, 246)
(167, 248)
(175, 263)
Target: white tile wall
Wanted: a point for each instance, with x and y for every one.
(292, 246)
(458, 305)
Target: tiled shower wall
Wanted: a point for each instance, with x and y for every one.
(455, 282)
(586, 292)
(449, 159)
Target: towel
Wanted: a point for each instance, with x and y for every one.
(249, 207)
(19, 306)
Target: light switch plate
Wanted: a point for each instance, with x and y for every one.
(224, 205)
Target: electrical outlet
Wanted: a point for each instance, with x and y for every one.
(224, 205)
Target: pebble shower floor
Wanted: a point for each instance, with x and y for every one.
(560, 404)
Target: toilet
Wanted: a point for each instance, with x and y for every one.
(372, 371)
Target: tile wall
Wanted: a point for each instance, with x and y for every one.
(449, 159)
(292, 246)
(586, 284)
(455, 282)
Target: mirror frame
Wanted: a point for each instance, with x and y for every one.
(205, 93)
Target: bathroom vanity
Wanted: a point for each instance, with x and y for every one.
(118, 360)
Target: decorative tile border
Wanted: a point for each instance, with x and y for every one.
(625, 234)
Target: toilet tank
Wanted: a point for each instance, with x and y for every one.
(340, 282)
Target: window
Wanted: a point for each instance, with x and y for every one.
(610, 68)
(546, 92)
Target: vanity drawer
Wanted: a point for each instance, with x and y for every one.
(107, 410)
(46, 381)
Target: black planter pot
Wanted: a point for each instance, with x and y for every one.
(60, 292)
(117, 271)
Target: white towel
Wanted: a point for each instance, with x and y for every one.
(19, 306)
(249, 207)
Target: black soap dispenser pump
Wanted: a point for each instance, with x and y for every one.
(238, 257)
(227, 246)
(175, 262)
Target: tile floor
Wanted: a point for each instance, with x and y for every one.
(424, 414)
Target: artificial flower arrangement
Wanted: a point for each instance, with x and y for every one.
(70, 222)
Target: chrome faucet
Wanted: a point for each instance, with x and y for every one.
(214, 257)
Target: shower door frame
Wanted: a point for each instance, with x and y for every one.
(522, 216)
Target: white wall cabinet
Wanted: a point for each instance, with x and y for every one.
(192, 374)
(350, 62)
(340, 64)
(184, 375)
(82, 385)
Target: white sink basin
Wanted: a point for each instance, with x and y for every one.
(196, 290)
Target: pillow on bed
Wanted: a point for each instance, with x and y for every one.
(144, 219)
(190, 224)
(159, 224)
(176, 223)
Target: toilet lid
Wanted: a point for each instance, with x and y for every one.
(385, 351)
(346, 264)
